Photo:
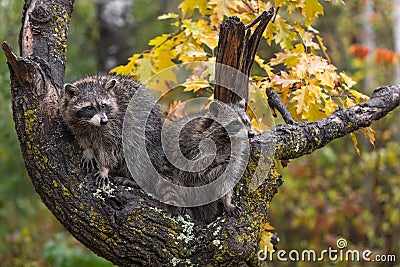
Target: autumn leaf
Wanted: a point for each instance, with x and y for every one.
(145, 68)
(188, 6)
(168, 16)
(312, 9)
(355, 143)
(196, 86)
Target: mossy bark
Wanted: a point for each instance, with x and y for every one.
(124, 225)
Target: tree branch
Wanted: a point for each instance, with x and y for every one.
(293, 141)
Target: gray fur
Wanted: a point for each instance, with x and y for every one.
(195, 128)
(102, 142)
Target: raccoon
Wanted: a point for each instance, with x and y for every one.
(93, 108)
(217, 125)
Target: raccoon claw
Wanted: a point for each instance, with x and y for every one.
(100, 179)
(234, 211)
(88, 164)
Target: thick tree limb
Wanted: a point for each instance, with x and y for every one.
(303, 138)
(125, 225)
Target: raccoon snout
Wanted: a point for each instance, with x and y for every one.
(103, 120)
(250, 134)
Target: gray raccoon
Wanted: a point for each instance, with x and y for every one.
(93, 108)
(215, 124)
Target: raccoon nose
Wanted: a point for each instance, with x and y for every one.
(250, 134)
(103, 120)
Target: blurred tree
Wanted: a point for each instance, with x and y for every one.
(115, 19)
(396, 36)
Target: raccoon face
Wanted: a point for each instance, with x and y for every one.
(91, 104)
(234, 125)
(95, 113)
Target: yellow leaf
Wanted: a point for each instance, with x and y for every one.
(359, 96)
(159, 39)
(188, 52)
(312, 9)
(348, 81)
(223, 8)
(164, 60)
(327, 79)
(370, 134)
(330, 106)
(127, 69)
(145, 69)
(188, 6)
(285, 80)
(355, 143)
(195, 86)
(301, 96)
(168, 16)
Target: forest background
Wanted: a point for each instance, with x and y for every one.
(330, 194)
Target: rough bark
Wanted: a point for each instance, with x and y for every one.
(237, 47)
(129, 227)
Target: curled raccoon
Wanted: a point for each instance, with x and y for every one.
(93, 109)
(201, 148)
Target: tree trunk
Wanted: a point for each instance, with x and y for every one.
(126, 226)
(116, 27)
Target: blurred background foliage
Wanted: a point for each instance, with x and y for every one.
(330, 194)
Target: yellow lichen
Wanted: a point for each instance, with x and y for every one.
(65, 191)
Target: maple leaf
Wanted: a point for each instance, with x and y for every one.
(312, 9)
(188, 6)
(370, 134)
(284, 36)
(196, 86)
(285, 80)
(145, 68)
(223, 8)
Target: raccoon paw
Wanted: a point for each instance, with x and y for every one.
(118, 180)
(88, 164)
(234, 211)
(100, 179)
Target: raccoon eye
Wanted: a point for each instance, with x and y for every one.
(89, 108)
(103, 106)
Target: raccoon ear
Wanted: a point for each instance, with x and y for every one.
(70, 89)
(216, 108)
(110, 85)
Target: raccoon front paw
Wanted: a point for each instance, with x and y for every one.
(88, 164)
(101, 179)
(234, 211)
(119, 180)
